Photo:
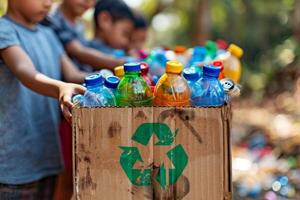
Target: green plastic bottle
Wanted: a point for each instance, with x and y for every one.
(133, 91)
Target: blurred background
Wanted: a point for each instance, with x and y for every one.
(266, 120)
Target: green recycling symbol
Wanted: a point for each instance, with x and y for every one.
(131, 155)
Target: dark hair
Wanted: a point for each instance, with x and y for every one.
(139, 20)
(118, 10)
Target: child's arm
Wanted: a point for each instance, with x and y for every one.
(70, 72)
(22, 67)
(92, 57)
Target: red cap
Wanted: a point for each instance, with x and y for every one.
(222, 44)
(218, 64)
(144, 68)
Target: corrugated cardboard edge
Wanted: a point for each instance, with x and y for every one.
(226, 120)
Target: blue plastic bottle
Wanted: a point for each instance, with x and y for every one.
(198, 56)
(157, 62)
(97, 94)
(207, 90)
(192, 76)
(112, 83)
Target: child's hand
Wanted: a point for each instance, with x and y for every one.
(66, 91)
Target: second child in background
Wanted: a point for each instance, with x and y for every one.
(65, 21)
(139, 36)
(114, 25)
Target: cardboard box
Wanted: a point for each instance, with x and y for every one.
(152, 153)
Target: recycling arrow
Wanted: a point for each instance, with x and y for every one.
(164, 134)
(131, 155)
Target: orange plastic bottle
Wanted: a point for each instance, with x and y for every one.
(172, 89)
(232, 65)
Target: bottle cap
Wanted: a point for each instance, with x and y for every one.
(211, 46)
(236, 50)
(218, 64)
(112, 82)
(199, 51)
(119, 71)
(132, 67)
(209, 70)
(144, 68)
(93, 80)
(180, 49)
(191, 74)
(222, 44)
(174, 67)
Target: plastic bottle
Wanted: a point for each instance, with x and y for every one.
(133, 89)
(221, 66)
(145, 74)
(97, 94)
(105, 73)
(157, 61)
(180, 55)
(232, 65)
(208, 90)
(119, 71)
(192, 76)
(77, 100)
(112, 83)
(198, 56)
(172, 89)
(211, 51)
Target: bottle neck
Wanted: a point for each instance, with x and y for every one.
(210, 77)
(172, 73)
(135, 73)
(93, 87)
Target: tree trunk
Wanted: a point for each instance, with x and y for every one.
(202, 22)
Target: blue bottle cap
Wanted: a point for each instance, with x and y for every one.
(132, 67)
(93, 80)
(112, 82)
(199, 51)
(211, 71)
(191, 74)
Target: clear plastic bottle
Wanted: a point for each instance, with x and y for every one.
(112, 83)
(97, 94)
(172, 89)
(207, 90)
(181, 55)
(133, 89)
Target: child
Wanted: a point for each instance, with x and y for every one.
(31, 57)
(113, 26)
(139, 35)
(65, 22)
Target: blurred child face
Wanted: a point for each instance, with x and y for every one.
(32, 11)
(116, 34)
(79, 7)
(138, 38)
